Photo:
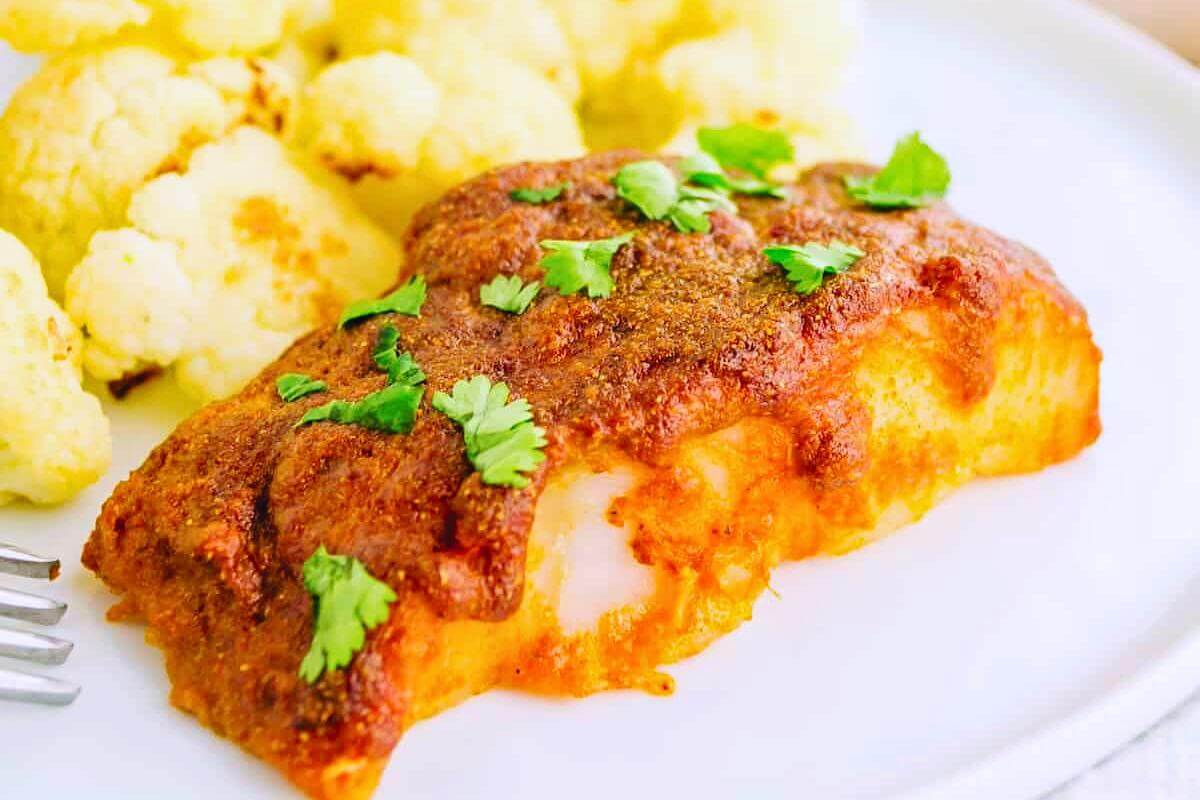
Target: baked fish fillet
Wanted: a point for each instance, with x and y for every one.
(705, 423)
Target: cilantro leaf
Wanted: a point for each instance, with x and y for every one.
(292, 386)
(391, 410)
(527, 194)
(507, 294)
(652, 187)
(572, 266)
(690, 213)
(702, 169)
(746, 147)
(807, 266)
(348, 602)
(400, 367)
(505, 459)
(915, 176)
(478, 406)
(501, 440)
(758, 188)
(648, 185)
(406, 300)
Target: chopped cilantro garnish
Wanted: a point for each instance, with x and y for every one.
(502, 441)
(649, 185)
(690, 212)
(400, 367)
(406, 300)
(527, 194)
(807, 266)
(391, 410)
(292, 386)
(747, 148)
(572, 266)
(508, 294)
(703, 170)
(915, 176)
(348, 601)
(652, 187)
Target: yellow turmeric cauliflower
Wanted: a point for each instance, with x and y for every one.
(135, 300)
(118, 156)
(53, 438)
(490, 110)
(772, 63)
(223, 266)
(641, 74)
(606, 35)
(204, 27)
(732, 77)
(95, 124)
(226, 26)
(310, 44)
(43, 26)
(526, 31)
(368, 115)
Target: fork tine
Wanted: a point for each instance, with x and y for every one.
(28, 688)
(16, 561)
(33, 646)
(22, 686)
(30, 607)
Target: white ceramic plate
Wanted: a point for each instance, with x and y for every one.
(1024, 629)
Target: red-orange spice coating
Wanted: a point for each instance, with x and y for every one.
(701, 335)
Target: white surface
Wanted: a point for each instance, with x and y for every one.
(1023, 630)
(1161, 765)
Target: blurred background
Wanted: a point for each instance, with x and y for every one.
(1176, 22)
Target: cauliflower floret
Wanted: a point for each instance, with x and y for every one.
(310, 44)
(820, 27)
(772, 63)
(368, 115)
(150, 324)
(227, 26)
(94, 125)
(256, 91)
(245, 252)
(733, 77)
(206, 27)
(492, 111)
(41, 26)
(605, 35)
(54, 440)
(527, 31)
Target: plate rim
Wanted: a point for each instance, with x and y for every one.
(1036, 764)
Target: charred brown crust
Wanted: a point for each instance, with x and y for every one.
(207, 538)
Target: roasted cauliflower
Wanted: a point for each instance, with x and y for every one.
(204, 27)
(644, 74)
(485, 109)
(95, 124)
(127, 157)
(44, 26)
(222, 266)
(773, 63)
(526, 31)
(369, 115)
(54, 440)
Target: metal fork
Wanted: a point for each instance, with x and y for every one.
(26, 645)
